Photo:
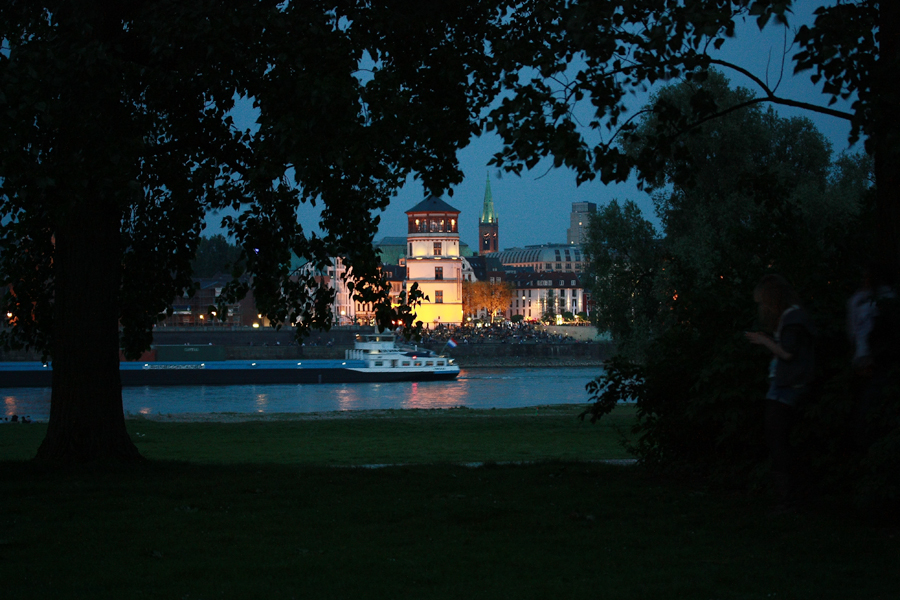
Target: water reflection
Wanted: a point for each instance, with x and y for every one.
(32, 402)
(475, 388)
(9, 403)
(348, 397)
(436, 394)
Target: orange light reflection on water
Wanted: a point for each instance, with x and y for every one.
(435, 394)
(11, 408)
(348, 398)
(262, 402)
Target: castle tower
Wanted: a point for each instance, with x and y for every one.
(433, 261)
(489, 225)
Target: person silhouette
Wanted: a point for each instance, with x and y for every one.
(788, 333)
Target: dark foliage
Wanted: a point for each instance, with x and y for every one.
(745, 195)
(215, 256)
(118, 137)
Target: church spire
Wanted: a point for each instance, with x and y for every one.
(489, 225)
(487, 214)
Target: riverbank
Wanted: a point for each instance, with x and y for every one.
(275, 346)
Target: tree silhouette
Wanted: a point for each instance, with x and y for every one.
(119, 136)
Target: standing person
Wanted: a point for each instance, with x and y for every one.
(872, 330)
(788, 334)
(861, 312)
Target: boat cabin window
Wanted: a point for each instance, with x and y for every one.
(405, 363)
(375, 338)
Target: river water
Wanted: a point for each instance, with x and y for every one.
(474, 388)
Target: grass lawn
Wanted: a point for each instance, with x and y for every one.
(270, 510)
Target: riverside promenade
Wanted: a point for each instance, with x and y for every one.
(548, 349)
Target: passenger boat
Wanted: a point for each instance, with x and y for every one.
(375, 358)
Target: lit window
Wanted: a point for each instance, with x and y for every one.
(437, 249)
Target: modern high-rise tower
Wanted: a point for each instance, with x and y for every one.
(578, 224)
(489, 225)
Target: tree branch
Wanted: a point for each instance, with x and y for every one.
(771, 97)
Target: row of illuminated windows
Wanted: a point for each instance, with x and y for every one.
(433, 225)
(406, 363)
(559, 266)
(437, 249)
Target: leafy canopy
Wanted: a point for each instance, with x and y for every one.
(126, 110)
(740, 196)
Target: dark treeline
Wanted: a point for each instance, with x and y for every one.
(741, 196)
(215, 256)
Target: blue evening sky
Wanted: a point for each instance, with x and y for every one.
(534, 208)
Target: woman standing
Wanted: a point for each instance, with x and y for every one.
(788, 334)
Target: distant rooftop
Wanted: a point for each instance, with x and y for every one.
(432, 204)
(546, 253)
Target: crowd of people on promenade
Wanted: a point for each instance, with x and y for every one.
(497, 333)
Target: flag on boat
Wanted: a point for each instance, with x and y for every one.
(451, 343)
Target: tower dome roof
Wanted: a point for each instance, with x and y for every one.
(432, 204)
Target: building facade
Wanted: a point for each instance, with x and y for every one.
(538, 294)
(578, 222)
(433, 261)
(198, 311)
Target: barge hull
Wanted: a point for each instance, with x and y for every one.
(230, 373)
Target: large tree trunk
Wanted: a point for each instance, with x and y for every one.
(86, 415)
(91, 151)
